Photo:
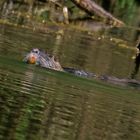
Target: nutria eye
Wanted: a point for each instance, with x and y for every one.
(37, 52)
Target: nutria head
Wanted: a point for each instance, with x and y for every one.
(33, 56)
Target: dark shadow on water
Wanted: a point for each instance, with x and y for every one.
(137, 63)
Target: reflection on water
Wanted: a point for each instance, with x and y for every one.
(83, 51)
(40, 104)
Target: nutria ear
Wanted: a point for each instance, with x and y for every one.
(56, 58)
(53, 57)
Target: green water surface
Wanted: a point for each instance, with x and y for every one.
(42, 104)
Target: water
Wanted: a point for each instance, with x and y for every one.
(41, 104)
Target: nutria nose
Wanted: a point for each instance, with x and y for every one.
(32, 60)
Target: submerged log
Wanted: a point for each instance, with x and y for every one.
(91, 8)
